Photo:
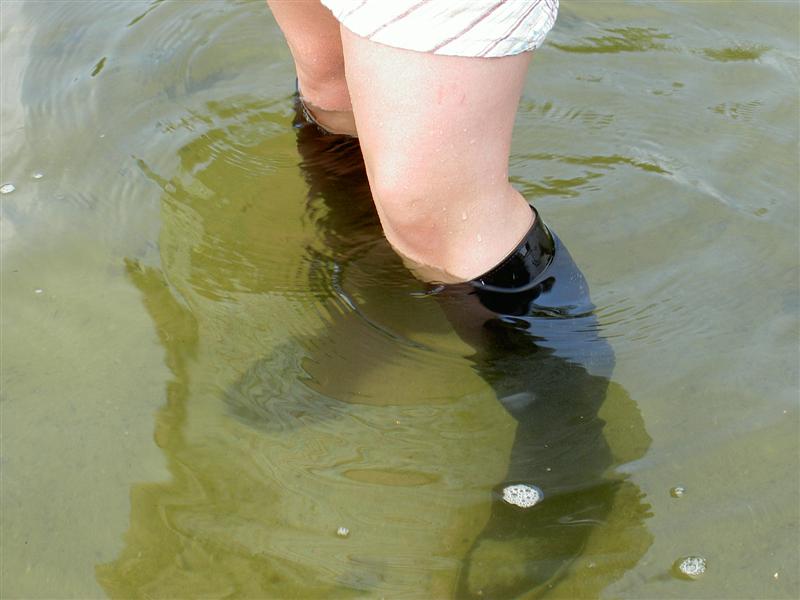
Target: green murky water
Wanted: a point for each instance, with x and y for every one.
(196, 393)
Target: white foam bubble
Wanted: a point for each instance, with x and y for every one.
(678, 491)
(692, 566)
(522, 495)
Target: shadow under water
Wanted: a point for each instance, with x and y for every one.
(317, 383)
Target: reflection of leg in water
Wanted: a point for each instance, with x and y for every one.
(542, 354)
(558, 448)
(334, 170)
(329, 160)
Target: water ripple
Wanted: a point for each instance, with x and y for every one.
(617, 40)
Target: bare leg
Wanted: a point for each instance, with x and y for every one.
(435, 132)
(312, 34)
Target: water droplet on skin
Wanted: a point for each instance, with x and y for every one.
(464, 216)
(678, 491)
(480, 239)
(7, 188)
(343, 532)
(690, 567)
(38, 175)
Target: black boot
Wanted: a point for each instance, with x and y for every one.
(542, 354)
(327, 157)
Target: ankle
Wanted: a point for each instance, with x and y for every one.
(341, 122)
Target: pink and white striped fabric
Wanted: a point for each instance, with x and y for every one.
(485, 28)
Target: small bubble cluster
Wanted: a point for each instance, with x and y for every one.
(7, 188)
(522, 495)
(343, 532)
(691, 566)
(678, 491)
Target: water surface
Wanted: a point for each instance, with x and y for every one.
(209, 364)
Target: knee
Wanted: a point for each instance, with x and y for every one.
(411, 209)
(455, 220)
(322, 82)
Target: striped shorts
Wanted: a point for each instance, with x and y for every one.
(485, 28)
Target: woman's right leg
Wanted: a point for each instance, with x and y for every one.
(312, 33)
